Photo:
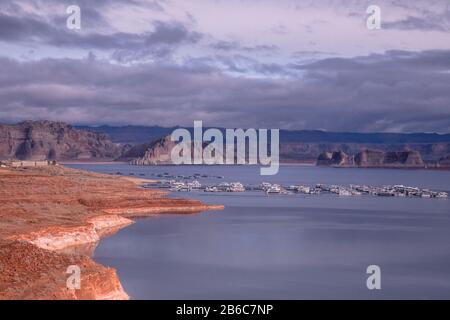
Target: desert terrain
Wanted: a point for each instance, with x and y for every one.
(50, 215)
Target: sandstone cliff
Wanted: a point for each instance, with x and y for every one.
(372, 159)
(336, 158)
(156, 153)
(444, 162)
(47, 140)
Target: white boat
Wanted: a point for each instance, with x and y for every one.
(212, 189)
(274, 189)
(335, 190)
(305, 190)
(179, 186)
(236, 187)
(181, 189)
(265, 186)
(194, 184)
(344, 192)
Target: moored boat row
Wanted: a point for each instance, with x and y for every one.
(278, 189)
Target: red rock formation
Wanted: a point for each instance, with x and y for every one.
(372, 159)
(46, 210)
(337, 158)
(157, 152)
(28, 273)
(376, 158)
(47, 140)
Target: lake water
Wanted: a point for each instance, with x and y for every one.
(287, 246)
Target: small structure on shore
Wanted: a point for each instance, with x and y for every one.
(27, 163)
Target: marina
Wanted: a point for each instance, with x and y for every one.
(314, 190)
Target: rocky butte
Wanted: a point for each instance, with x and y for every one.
(372, 159)
(48, 140)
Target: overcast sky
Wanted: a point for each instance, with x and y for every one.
(231, 63)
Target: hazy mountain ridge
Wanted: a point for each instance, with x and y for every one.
(133, 135)
(142, 134)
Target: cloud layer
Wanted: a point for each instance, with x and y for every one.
(272, 64)
(396, 91)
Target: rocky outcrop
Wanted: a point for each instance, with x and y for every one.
(367, 158)
(444, 162)
(336, 158)
(157, 152)
(372, 159)
(47, 140)
(30, 273)
(309, 152)
(136, 152)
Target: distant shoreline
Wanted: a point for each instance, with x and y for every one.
(91, 162)
(300, 164)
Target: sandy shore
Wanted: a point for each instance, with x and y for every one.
(45, 213)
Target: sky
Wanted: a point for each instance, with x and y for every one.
(231, 63)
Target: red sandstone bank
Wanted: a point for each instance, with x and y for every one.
(47, 213)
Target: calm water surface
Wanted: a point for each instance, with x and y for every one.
(287, 247)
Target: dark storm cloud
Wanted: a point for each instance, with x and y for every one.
(20, 27)
(92, 12)
(35, 30)
(419, 23)
(396, 91)
(13, 28)
(401, 91)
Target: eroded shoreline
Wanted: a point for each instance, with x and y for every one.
(44, 211)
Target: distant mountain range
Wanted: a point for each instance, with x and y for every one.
(141, 134)
(40, 140)
(132, 135)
